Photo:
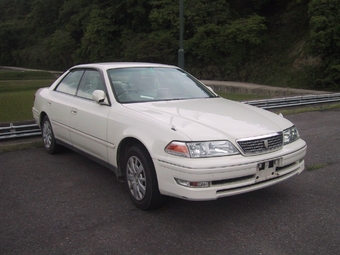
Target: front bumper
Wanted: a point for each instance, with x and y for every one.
(229, 175)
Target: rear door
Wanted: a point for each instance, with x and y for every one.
(59, 104)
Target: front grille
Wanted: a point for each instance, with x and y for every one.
(263, 144)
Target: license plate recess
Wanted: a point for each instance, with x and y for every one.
(266, 170)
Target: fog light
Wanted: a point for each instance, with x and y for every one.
(202, 184)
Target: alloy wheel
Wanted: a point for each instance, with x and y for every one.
(136, 178)
(47, 134)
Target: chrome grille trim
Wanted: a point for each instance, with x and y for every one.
(261, 144)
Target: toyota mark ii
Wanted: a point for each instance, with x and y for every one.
(165, 133)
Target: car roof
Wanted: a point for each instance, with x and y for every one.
(112, 65)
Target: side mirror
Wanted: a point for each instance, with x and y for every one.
(99, 96)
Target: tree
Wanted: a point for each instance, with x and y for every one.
(43, 16)
(325, 40)
(219, 40)
(12, 28)
(101, 37)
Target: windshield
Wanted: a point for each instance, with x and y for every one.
(142, 84)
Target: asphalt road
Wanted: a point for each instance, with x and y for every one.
(67, 204)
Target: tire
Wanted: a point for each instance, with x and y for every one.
(141, 180)
(49, 141)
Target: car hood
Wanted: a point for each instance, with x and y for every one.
(213, 118)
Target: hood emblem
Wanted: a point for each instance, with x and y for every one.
(266, 144)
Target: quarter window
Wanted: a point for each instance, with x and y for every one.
(70, 82)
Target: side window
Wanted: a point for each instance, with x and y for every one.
(70, 82)
(90, 82)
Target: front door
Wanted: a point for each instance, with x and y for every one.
(88, 119)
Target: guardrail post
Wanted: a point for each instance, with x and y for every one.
(12, 128)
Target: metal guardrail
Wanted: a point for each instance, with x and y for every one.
(31, 129)
(295, 101)
(19, 130)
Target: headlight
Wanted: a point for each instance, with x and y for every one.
(201, 149)
(290, 135)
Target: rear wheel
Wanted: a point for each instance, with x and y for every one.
(50, 143)
(141, 179)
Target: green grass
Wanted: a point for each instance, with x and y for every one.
(23, 85)
(311, 108)
(20, 146)
(16, 106)
(25, 75)
(317, 166)
(16, 98)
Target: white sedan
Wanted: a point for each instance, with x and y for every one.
(166, 133)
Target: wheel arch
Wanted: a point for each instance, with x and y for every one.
(41, 118)
(124, 145)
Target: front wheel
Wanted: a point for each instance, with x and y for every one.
(50, 143)
(141, 179)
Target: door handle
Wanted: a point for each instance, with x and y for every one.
(74, 111)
